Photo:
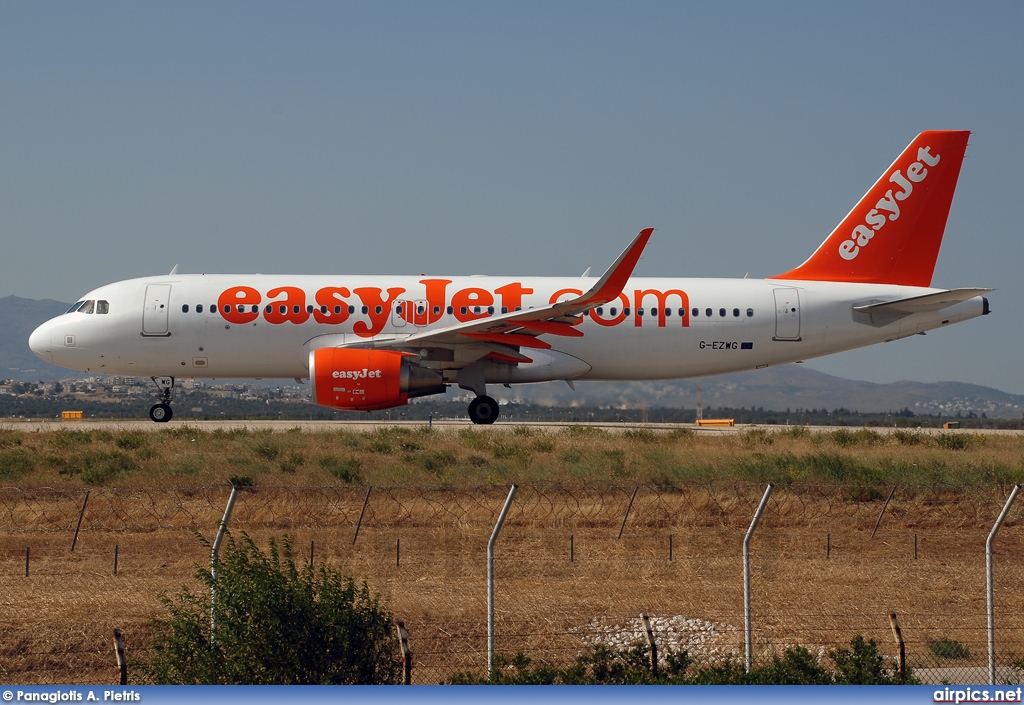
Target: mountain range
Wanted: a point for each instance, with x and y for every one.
(777, 388)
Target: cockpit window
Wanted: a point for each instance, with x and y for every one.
(88, 307)
(75, 307)
(102, 306)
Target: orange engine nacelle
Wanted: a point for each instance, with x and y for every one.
(356, 379)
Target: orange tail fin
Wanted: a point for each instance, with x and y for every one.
(892, 236)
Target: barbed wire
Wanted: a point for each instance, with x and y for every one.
(423, 545)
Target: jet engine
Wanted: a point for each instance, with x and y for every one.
(356, 379)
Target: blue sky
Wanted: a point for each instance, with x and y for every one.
(527, 138)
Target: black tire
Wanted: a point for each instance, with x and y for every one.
(160, 413)
(483, 410)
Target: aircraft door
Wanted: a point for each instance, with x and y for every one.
(156, 310)
(421, 312)
(399, 313)
(787, 314)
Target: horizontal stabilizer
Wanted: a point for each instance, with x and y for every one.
(922, 304)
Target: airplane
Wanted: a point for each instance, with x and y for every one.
(371, 342)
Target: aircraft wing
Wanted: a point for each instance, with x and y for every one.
(922, 304)
(520, 329)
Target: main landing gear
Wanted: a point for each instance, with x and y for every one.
(161, 411)
(483, 410)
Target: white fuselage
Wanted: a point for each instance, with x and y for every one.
(164, 326)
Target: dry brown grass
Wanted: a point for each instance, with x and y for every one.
(446, 489)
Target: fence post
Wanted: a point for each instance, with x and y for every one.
(990, 590)
(122, 664)
(403, 640)
(359, 523)
(623, 527)
(80, 515)
(882, 513)
(490, 578)
(215, 558)
(897, 634)
(650, 640)
(749, 646)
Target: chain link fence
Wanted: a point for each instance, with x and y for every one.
(575, 566)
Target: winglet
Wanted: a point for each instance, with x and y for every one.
(892, 236)
(610, 285)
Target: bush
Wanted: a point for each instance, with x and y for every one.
(276, 623)
(860, 664)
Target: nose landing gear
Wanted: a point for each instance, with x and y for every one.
(161, 411)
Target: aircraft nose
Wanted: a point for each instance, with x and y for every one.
(39, 342)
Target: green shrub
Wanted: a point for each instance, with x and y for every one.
(131, 440)
(15, 463)
(640, 435)
(958, 441)
(276, 623)
(947, 648)
(860, 664)
(345, 469)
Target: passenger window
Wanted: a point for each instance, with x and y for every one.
(337, 310)
(419, 309)
(365, 309)
(708, 312)
(199, 308)
(735, 313)
(255, 308)
(600, 311)
(721, 312)
(437, 310)
(398, 310)
(504, 309)
(668, 313)
(184, 308)
(490, 309)
(351, 309)
(612, 311)
(282, 309)
(309, 308)
(682, 313)
(88, 307)
(462, 310)
(639, 312)
(241, 308)
(323, 309)
(625, 312)
(450, 310)
(295, 309)
(378, 309)
(750, 313)
(695, 312)
(102, 307)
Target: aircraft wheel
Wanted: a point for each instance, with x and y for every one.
(483, 410)
(161, 413)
